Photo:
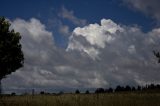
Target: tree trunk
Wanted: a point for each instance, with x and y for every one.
(0, 87)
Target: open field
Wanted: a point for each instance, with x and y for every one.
(112, 99)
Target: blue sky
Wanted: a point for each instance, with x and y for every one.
(70, 44)
(91, 11)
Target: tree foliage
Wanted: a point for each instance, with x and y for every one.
(77, 91)
(11, 55)
(87, 92)
(99, 90)
(157, 54)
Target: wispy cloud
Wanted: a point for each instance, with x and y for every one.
(149, 7)
(64, 29)
(69, 15)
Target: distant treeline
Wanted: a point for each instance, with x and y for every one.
(119, 88)
(127, 88)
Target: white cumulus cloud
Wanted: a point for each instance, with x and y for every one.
(124, 52)
(96, 35)
(98, 55)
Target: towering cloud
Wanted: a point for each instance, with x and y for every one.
(121, 54)
(90, 38)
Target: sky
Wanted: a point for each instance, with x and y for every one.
(84, 44)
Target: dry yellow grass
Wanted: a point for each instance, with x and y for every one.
(113, 99)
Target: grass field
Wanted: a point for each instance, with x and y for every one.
(112, 99)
